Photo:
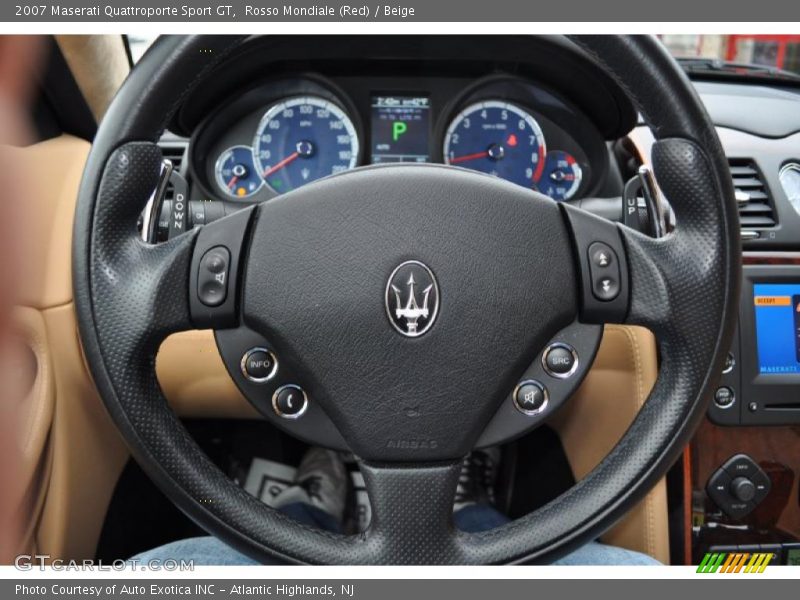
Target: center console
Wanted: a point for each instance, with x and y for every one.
(760, 383)
(744, 461)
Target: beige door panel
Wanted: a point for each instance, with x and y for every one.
(72, 455)
(28, 386)
(88, 452)
(47, 214)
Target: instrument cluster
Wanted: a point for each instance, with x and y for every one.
(287, 133)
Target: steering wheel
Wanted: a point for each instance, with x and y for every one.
(503, 268)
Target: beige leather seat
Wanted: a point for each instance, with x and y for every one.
(596, 417)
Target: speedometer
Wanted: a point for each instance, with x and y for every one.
(302, 139)
(498, 138)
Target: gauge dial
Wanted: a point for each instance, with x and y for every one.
(498, 138)
(235, 173)
(561, 176)
(302, 139)
(790, 182)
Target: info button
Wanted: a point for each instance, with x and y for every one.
(259, 365)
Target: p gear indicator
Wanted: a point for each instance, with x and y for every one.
(400, 129)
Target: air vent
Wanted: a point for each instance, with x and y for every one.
(175, 152)
(752, 195)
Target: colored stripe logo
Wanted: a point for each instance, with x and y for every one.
(735, 562)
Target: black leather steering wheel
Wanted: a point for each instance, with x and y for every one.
(311, 271)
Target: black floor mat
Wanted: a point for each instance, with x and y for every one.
(538, 469)
(141, 517)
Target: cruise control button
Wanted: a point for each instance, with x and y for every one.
(212, 293)
(290, 401)
(560, 360)
(215, 261)
(212, 280)
(530, 397)
(259, 365)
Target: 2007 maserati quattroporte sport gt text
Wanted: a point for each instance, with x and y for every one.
(401, 299)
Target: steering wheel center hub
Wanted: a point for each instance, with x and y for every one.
(409, 299)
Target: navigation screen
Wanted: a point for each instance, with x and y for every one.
(777, 309)
(793, 557)
(400, 129)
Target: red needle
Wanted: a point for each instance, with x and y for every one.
(281, 164)
(233, 182)
(467, 157)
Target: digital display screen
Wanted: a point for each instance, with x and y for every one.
(400, 129)
(777, 309)
(793, 557)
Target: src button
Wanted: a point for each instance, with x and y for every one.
(560, 360)
(212, 280)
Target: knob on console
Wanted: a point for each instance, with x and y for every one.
(743, 489)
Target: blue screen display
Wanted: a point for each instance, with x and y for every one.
(777, 327)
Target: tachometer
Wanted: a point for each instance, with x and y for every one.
(561, 176)
(498, 138)
(235, 173)
(302, 139)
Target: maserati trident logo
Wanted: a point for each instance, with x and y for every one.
(412, 298)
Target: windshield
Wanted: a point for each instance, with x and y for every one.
(772, 53)
(778, 52)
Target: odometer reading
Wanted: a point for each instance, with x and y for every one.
(498, 138)
(303, 139)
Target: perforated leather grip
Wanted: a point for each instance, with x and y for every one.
(128, 296)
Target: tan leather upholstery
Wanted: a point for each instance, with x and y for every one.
(88, 452)
(48, 210)
(99, 65)
(596, 417)
(28, 411)
(71, 453)
(194, 379)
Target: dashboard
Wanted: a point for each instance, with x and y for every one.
(288, 111)
(286, 133)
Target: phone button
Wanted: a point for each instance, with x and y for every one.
(290, 401)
